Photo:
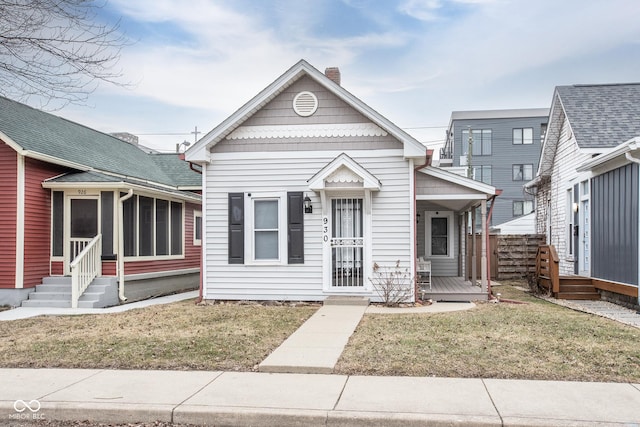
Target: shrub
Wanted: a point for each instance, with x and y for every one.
(394, 285)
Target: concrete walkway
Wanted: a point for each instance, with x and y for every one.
(264, 399)
(317, 345)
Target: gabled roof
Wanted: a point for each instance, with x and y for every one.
(200, 151)
(47, 137)
(349, 172)
(602, 115)
(599, 117)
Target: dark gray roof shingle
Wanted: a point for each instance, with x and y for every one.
(54, 136)
(602, 115)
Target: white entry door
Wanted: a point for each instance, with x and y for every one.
(347, 244)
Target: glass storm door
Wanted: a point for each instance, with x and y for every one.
(585, 250)
(347, 243)
(83, 226)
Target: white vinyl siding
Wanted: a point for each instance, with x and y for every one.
(255, 173)
(568, 157)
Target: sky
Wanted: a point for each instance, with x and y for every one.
(192, 64)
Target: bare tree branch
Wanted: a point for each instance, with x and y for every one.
(56, 52)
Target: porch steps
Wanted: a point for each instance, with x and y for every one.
(577, 287)
(56, 292)
(346, 300)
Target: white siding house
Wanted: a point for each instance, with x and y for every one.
(573, 207)
(304, 189)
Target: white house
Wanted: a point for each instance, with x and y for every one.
(574, 208)
(305, 187)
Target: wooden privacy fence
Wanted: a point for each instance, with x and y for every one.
(513, 256)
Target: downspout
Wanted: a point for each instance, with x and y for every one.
(427, 162)
(491, 199)
(200, 292)
(121, 244)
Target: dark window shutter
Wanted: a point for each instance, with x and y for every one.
(295, 227)
(236, 228)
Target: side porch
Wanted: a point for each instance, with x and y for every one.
(452, 210)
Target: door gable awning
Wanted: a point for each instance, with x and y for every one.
(343, 173)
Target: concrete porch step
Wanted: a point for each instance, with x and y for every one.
(346, 300)
(56, 292)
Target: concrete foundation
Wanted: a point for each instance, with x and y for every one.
(14, 297)
(143, 286)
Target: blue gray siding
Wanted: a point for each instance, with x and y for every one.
(614, 212)
(504, 154)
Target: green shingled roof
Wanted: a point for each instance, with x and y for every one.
(54, 136)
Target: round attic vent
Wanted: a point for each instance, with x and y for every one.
(305, 104)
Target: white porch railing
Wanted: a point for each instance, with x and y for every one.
(85, 267)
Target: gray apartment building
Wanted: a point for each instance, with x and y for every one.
(505, 151)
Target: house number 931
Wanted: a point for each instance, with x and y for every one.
(82, 192)
(325, 229)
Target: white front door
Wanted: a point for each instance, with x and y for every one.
(347, 244)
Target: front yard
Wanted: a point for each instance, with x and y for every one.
(173, 336)
(536, 340)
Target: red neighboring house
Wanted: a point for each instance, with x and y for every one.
(71, 193)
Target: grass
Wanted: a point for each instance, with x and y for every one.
(536, 340)
(173, 336)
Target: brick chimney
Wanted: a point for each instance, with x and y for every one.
(333, 73)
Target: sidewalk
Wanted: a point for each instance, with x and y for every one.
(264, 399)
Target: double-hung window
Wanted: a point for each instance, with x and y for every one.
(522, 172)
(522, 136)
(266, 229)
(439, 234)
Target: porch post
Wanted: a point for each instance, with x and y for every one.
(483, 258)
(474, 263)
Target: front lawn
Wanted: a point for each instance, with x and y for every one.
(173, 336)
(537, 340)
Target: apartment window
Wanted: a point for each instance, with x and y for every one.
(481, 142)
(482, 173)
(522, 207)
(522, 172)
(152, 227)
(522, 136)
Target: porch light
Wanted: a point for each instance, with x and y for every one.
(417, 218)
(576, 207)
(307, 205)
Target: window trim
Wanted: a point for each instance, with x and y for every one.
(196, 241)
(249, 238)
(450, 233)
(482, 169)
